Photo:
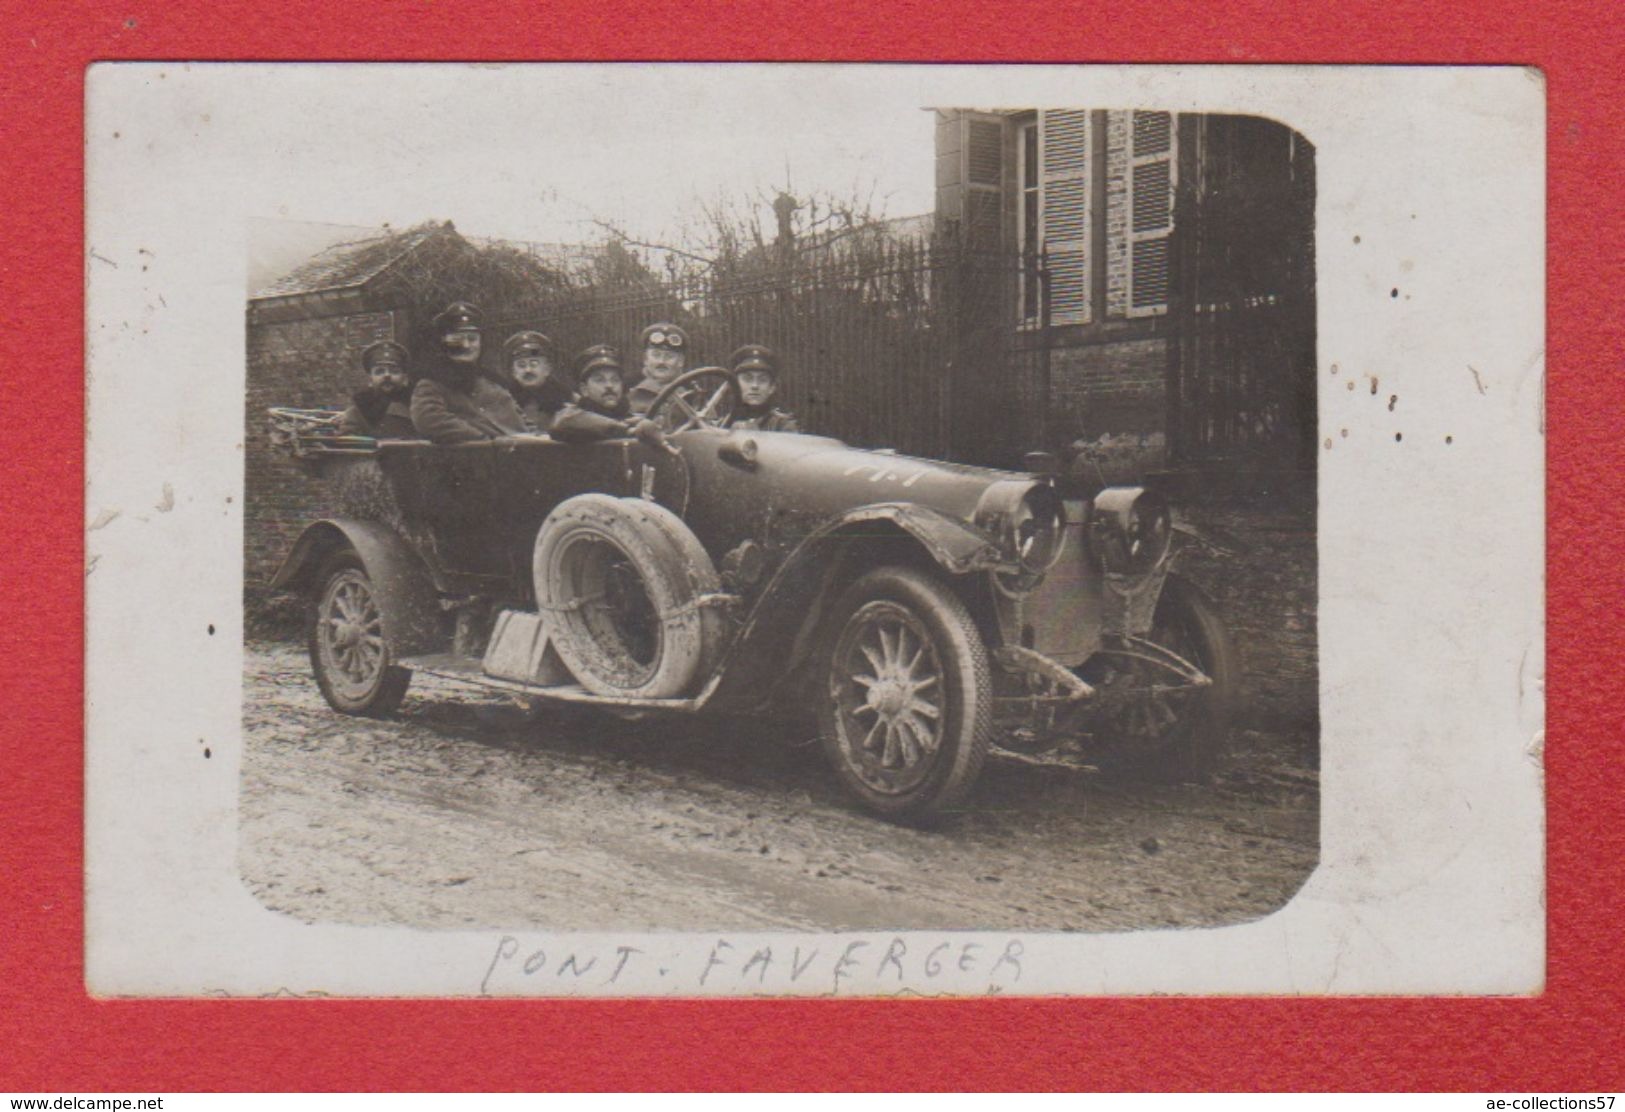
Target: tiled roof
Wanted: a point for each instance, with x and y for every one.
(352, 264)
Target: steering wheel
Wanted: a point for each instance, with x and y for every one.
(703, 398)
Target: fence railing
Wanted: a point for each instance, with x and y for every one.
(935, 347)
(906, 345)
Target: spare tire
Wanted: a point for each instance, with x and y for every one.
(703, 581)
(621, 585)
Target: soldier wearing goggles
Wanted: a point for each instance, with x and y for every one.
(665, 356)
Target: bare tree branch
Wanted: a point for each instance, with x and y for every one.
(627, 240)
(745, 235)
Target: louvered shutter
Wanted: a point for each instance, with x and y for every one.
(1151, 212)
(983, 161)
(984, 182)
(1064, 212)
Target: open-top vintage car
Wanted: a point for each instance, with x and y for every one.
(922, 611)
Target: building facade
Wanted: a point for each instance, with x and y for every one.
(1165, 311)
(1167, 277)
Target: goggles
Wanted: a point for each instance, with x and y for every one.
(665, 339)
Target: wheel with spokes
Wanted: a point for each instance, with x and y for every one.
(906, 717)
(348, 652)
(1165, 702)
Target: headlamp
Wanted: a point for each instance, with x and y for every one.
(1131, 529)
(1029, 520)
(1039, 527)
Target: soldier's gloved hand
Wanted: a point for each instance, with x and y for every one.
(651, 434)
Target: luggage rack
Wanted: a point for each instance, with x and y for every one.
(308, 433)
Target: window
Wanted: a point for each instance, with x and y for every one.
(1064, 211)
(1152, 178)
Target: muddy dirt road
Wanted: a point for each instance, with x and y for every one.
(464, 812)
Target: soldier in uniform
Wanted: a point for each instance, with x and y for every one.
(528, 357)
(383, 408)
(665, 356)
(756, 371)
(600, 411)
(452, 402)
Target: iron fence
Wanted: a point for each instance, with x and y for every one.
(908, 345)
(1242, 355)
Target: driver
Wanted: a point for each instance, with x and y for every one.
(665, 356)
(600, 411)
(453, 403)
(382, 408)
(756, 372)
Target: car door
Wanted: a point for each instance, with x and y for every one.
(530, 476)
(447, 497)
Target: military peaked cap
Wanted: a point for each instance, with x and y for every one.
(459, 316)
(599, 355)
(384, 351)
(666, 336)
(754, 357)
(522, 345)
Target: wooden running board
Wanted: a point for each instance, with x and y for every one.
(450, 666)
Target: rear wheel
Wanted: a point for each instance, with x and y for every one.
(906, 716)
(352, 661)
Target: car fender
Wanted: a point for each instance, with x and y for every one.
(790, 608)
(955, 546)
(407, 599)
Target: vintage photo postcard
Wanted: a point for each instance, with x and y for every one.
(612, 529)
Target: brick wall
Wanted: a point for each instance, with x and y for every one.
(1116, 387)
(1117, 215)
(302, 363)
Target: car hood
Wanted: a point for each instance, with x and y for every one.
(756, 484)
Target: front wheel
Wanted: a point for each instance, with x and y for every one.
(906, 715)
(353, 664)
(1154, 723)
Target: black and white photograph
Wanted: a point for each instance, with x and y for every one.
(815, 529)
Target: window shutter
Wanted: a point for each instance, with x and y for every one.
(1151, 206)
(983, 209)
(984, 182)
(983, 157)
(1064, 212)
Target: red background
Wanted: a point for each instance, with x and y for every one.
(54, 1038)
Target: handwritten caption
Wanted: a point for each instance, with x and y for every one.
(857, 966)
